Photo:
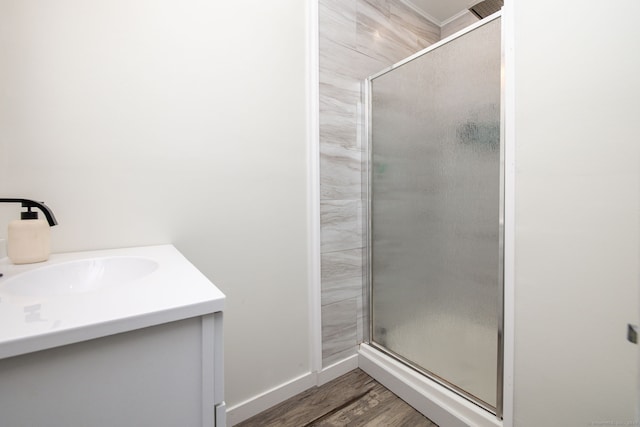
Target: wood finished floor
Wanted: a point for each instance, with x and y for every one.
(354, 399)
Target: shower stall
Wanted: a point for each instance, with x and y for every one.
(434, 184)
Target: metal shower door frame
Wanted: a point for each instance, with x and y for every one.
(367, 159)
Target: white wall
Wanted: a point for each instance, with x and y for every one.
(577, 207)
(152, 121)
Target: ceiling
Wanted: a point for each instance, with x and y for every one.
(442, 10)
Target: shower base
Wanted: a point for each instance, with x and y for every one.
(436, 402)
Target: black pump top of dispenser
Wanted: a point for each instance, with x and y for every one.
(29, 214)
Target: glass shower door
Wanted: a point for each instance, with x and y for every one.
(435, 240)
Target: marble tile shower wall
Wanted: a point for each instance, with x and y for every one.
(357, 38)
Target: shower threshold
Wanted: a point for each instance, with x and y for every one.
(434, 400)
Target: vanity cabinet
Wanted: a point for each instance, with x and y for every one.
(155, 363)
(163, 375)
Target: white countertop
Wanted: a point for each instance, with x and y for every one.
(176, 290)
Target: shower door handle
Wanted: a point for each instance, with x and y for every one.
(632, 333)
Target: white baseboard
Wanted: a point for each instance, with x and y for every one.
(337, 369)
(250, 407)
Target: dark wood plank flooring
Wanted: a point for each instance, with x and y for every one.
(354, 399)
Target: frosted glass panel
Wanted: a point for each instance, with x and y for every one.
(435, 191)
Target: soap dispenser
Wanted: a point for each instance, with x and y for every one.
(29, 239)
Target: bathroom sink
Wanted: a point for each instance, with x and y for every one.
(80, 296)
(107, 314)
(80, 276)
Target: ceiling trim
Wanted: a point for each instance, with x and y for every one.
(454, 17)
(420, 11)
